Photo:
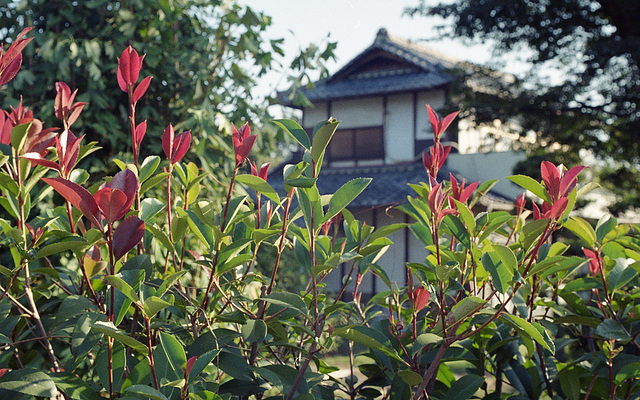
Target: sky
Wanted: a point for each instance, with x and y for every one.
(353, 24)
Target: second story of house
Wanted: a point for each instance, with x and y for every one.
(380, 97)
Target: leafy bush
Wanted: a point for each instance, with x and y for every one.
(115, 293)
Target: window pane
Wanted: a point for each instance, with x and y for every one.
(341, 145)
(369, 143)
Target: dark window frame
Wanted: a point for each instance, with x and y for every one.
(357, 151)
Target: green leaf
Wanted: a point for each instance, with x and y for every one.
(533, 330)
(555, 264)
(30, 382)
(321, 137)
(458, 230)
(386, 230)
(629, 371)
(150, 207)
(201, 363)
(501, 263)
(153, 305)
(153, 181)
(123, 287)
(532, 231)
(612, 330)
(344, 196)
(605, 225)
(582, 229)
(290, 300)
(74, 243)
(162, 237)
(148, 167)
(170, 357)
(466, 216)
(146, 391)
(531, 185)
(169, 281)
(409, 377)
(295, 130)
(234, 366)
(461, 311)
(464, 387)
(621, 274)
(259, 185)
(368, 337)
(203, 231)
(255, 330)
(569, 382)
(74, 387)
(110, 330)
(301, 182)
(19, 135)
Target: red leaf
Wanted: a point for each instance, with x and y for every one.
(121, 81)
(112, 203)
(61, 102)
(167, 141)
(190, 363)
(141, 130)
(11, 71)
(551, 178)
(36, 158)
(78, 196)
(180, 146)
(141, 89)
(421, 298)
(129, 65)
(558, 207)
(447, 121)
(127, 235)
(69, 154)
(127, 182)
(15, 50)
(570, 179)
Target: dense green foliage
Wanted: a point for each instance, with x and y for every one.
(205, 57)
(591, 48)
(116, 292)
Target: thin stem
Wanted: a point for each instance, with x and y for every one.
(612, 386)
(205, 301)
(111, 310)
(147, 324)
(431, 371)
(71, 226)
(166, 264)
(285, 219)
(36, 317)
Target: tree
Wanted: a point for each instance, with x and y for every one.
(594, 45)
(205, 57)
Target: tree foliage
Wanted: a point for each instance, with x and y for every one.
(593, 45)
(205, 57)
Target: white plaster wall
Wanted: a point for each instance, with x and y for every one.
(313, 115)
(485, 166)
(436, 99)
(398, 138)
(358, 113)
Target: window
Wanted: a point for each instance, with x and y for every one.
(356, 144)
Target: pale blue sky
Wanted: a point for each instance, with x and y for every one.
(353, 24)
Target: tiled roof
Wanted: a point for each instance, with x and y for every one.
(376, 84)
(388, 185)
(417, 68)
